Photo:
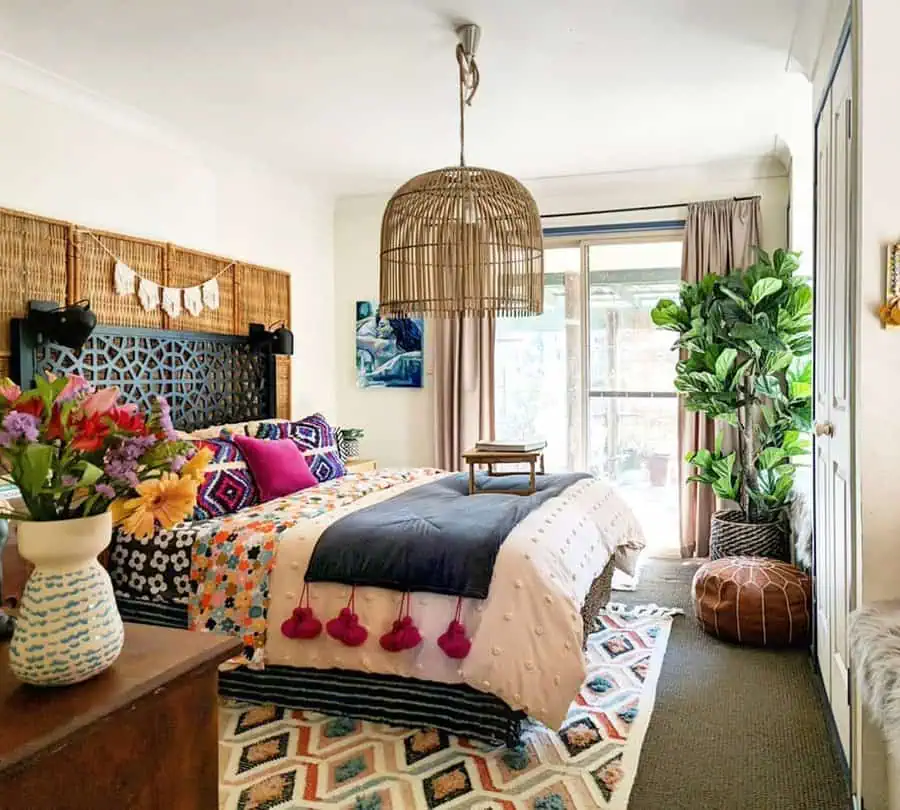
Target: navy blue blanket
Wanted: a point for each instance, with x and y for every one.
(434, 537)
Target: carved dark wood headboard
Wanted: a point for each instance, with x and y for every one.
(208, 379)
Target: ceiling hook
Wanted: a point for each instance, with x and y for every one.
(469, 37)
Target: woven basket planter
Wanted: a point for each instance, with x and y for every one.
(731, 536)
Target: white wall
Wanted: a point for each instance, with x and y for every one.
(399, 422)
(70, 155)
(877, 358)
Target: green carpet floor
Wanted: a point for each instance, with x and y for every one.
(733, 727)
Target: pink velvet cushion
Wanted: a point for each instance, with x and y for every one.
(277, 465)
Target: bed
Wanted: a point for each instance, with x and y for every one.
(524, 609)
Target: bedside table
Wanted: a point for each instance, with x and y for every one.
(142, 735)
(358, 465)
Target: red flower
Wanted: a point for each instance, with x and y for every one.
(90, 433)
(55, 429)
(127, 420)
(32, 405)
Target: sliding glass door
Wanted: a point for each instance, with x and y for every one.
(594, 377)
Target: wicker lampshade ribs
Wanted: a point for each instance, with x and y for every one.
(462, 240)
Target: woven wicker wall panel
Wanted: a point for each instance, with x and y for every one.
(207, 381)
(188, 268)
(33, 265)
(94, 272)
(265, 297)
(283, 386)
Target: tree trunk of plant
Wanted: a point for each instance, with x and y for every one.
(747, 439)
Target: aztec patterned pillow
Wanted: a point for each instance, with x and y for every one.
(229, 485)
(315, 437)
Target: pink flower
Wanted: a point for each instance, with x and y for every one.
(100, 401)
(75, 385)
(10, 391)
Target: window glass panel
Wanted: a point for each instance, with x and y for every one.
(633, 429)
(538, 361)
(628, 353)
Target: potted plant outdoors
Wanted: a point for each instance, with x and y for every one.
(658, 467)
(745, 342)
(81, 463)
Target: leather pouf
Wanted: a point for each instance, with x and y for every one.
(753, 600)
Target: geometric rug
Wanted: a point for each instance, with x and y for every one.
(278, 759)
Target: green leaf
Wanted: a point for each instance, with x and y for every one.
(723, 467)
(765, 287)
(795, 443)
(771, 457)
(725, 363)
(779, 361)
(669, 315)
(35, 466)
(783, 487)
(702, 458)
(90, 474)
(801, 344)
(769, 386)
(720, 437)
(726, 490)
(801, 300)
(738, 298)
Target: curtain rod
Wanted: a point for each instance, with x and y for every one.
(634, 208)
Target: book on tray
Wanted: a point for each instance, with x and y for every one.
(512, 446)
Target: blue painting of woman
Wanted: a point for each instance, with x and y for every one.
(388, 350)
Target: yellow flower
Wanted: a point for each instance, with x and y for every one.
(166, 500)
(195, 466)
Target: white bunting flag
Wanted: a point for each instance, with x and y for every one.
(193, 301)
(171, 301)
(211, 294)
(124, 279)
(148, 293)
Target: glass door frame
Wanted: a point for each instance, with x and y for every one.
(624, 234)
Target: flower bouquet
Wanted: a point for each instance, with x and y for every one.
(83, 462)
(74, 452)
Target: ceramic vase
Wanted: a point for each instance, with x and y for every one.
(68, 627)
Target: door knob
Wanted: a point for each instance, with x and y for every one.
(824, 429)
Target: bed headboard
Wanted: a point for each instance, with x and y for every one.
(208, 379)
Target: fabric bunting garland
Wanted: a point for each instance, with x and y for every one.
(174, 300)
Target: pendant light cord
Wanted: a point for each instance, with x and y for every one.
(469, 77)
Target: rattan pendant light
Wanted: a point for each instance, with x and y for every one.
(462, 240)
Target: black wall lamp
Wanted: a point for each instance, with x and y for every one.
(69, 326)
(278, 340)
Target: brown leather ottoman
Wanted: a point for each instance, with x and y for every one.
(753, 600)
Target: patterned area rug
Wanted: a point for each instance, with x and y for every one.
(276, 759)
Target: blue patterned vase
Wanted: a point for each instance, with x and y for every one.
(68, 628)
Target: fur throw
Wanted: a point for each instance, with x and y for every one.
(875, 652)
(800, 516)
(801, 519)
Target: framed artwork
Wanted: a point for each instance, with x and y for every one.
(388, 350)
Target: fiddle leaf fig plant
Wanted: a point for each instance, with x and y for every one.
(745, 341)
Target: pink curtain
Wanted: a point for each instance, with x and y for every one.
(464, 386)
(719, 237)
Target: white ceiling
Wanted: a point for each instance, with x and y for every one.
(361, 94)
